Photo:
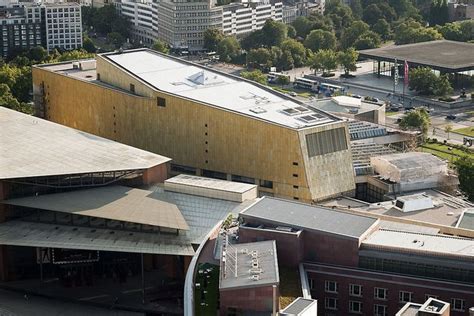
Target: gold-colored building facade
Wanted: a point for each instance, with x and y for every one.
(205, 139)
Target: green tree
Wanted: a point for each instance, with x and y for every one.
(442, 86)
(283, 80)
(382, 28)
(340, 15)
(212, 37)
(88, 45)
(367, 40)
(448, 128)
(320, 39)
(357, 10)
(412, 31)
(348, 59)
(291, 32)
(372, 14)
(302, 26)
(273, 33)
(425, 82)
(439, 12)
(255, 75)
(296, 50)
(465, 170)
(9, 101)
(422, 80)
(116, 39)
(324, 60)
(259, 58)
(161, 46)
(228, 49)
(417, 119)
(74, 55)
(286, 61)
(37, 54)
(352, 33)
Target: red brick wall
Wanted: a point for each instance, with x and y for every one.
(259, 299)
(289, 245)
(325, 248)
(369, 280)
(157, 174)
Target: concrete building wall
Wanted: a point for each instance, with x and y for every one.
(327, 248)
(335, 168)
(259, 299)
(420, 289)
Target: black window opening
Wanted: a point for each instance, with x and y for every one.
(132, 88)
(161, 102)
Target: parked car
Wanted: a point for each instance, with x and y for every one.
(293, 94)
(451, 117)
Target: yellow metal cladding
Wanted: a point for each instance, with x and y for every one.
(195, 134)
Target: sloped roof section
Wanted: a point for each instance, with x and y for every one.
(33, 147)
(112, 202)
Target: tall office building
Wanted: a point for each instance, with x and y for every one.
(239, 18)
(182, 24)
(63, 26)
(20, 28)
(26, 25)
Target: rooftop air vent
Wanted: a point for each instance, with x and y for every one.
(258, 110)
(255, 277)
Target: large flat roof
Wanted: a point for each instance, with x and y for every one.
(209, 86)
(428, 244)
(200, 213)
(442, 55)
(33, 147)
(249, 265)
(33, 234)
(447, 209)
(111, 202)
(304, 216)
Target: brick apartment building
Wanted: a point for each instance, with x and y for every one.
(360, 265)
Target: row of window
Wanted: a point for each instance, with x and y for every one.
(355, 290)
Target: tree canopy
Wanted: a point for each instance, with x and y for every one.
(320, 39)
(161, 46)
(212, 37)
(255, 75)
(425, 82)
(465, 169)
(228, 49)
(417, 119)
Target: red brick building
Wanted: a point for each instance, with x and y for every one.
(359, 265)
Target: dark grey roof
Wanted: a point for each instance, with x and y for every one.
(441, 55)
(305, 216)
(298, 306)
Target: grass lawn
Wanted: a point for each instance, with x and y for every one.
(290, 287)
(206, 296)
(390, 113)
(468, 131)
(443, 152)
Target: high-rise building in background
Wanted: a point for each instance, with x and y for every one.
(26, 25)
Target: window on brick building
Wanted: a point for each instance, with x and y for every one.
(380, 310)
(405, 297)
(330, 303)
(311, 284)
(355, 290)
(330, 286)
(380, 293)
(458, 304)
(355, 307)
